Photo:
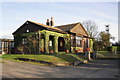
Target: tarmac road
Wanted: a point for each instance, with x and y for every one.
(99, 69)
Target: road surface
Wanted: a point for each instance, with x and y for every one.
(99, 69)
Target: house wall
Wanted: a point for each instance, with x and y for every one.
(38, 42)
(84, 44)
(78, 29)
(35, 44)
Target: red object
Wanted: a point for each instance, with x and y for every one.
(42, 50)
(87, 49)
(51, 51)
(67, 51)
(76, 50)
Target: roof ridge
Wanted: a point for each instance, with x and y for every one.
(69, 24)
(45, 25)
(39, 23)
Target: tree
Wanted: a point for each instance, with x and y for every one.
(105, 39)
(91, 28)
(97, 45)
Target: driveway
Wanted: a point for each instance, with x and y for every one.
(98, 69)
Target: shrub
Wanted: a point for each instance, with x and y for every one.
(109, 48)
(118, 48)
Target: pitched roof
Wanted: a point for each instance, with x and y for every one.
(62, 29)
(39, 27)
(48, 27)
(67, 27)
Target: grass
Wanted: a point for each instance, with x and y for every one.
(2, 62)
(107, 55)
(55, 58)
(103, 51)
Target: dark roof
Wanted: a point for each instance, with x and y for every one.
(61, 29)
(67, 27)
(48, 27)
(38, 27)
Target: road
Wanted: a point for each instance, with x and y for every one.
(99, 69)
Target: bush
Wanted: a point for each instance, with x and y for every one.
(118, 48)
(114, 48)
(109, 48)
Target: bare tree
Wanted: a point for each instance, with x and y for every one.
(91, 28)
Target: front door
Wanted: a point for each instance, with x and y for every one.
(61, 44)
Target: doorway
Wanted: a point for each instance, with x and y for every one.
(61, 44)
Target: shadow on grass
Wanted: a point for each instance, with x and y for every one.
(32, 60)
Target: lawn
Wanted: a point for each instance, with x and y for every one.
(1, 61)
(55, 58)
(103, 51)
(108, 55)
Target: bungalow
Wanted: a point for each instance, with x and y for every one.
(37, 38)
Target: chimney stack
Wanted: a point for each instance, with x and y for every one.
(47, 23)
(51, 22)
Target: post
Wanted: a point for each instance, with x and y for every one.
(94, 54)
(87, 54)
(56, 44)
(9, 48)
(39, 42)
(47, 43)
(3, 46)
(87, 50)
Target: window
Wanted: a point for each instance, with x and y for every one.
(26, 22)
(27, 31)
(72, 40)
(50, 44)
(78, 41)
(5, 44)
(12, 44)
(24, 41)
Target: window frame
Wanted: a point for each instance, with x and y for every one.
(78, 41)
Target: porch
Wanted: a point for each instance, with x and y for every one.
(52, 42)
(42, 42)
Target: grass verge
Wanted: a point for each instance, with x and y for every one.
(107, 55)
(55, 58)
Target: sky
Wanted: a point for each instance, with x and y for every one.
(14, 14)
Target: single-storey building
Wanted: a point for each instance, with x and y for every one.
(37, 38)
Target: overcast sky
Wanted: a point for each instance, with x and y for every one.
(14, 14)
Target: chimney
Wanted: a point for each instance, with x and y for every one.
(51, 22)
(47, 23)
